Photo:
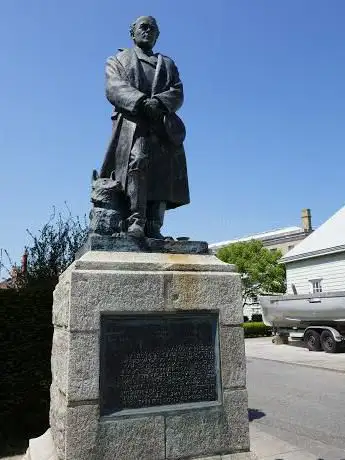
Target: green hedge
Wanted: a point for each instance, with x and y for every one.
(252, 329)
(26, 340)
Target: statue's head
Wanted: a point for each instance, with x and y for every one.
(145, 32)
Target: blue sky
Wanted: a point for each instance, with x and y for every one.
(264, 109)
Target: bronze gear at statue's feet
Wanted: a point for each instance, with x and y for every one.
(136, 191)
(155, 217)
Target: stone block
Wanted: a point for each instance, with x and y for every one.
(220, 430)
(59, 358)
(117, 291)
(83, 366)
(81, 432)
(75, 364)
(233, 360)
(207, 291)
(236, 408)
(61, 298)
(57, 419)
(136, 438)
(141, 261)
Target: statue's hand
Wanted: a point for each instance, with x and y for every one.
(153, 108)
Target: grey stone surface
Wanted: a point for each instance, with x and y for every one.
(83, 366)
(61, 298)
(108, 290)
(207, 291)
(143, 283)
(209, 431)
(75, 364)
(57, 419)
(44, 450)
(141, 261)
(125, 243)
(94, 292)
(233, 361)
(214, 457)
(81, 432)
(136, 438)
(59, 358)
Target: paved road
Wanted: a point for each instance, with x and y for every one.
(294, 353)
(300, 405)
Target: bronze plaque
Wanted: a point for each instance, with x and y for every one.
(158, 360)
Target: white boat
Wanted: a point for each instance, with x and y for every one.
(305, 310)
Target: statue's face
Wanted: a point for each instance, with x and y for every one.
(145, 33)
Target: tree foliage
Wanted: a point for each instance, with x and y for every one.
(258, 266)
(53, 248)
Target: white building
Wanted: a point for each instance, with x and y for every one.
(283, 239)
(317, 264)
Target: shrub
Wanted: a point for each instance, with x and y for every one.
(245, 318)
(252, 329)
(26, 338)
(54, 247)
(257, 318)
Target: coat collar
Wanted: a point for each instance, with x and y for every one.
(158, 78)
(144, 57)
(131, 61)
(157, 60)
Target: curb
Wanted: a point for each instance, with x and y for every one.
(313, 366)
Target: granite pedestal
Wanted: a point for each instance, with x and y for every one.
(100, 407)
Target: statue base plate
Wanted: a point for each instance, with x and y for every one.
(126, 243)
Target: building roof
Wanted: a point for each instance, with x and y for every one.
(329, 238)
(272, 234)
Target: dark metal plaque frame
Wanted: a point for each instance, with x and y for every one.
(158, 360)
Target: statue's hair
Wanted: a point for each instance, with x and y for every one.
(132, 27)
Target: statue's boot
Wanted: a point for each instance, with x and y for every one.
(155, 219)
(137, 192)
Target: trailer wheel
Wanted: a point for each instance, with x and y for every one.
(329, 345)
(312, 340)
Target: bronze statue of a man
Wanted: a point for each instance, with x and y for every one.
(146, 150)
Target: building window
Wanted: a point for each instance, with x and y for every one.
(316, 286)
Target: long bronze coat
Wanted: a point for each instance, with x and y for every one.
(126, 86)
